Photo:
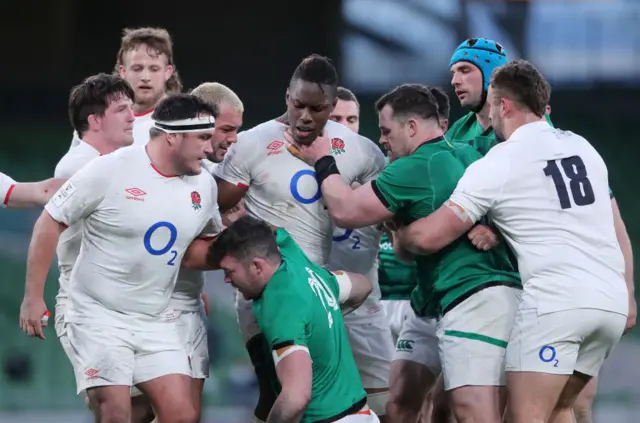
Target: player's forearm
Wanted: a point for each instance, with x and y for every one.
(26, 195)
(46, 233)
(399, 251)
(195, 258)
(288, 408)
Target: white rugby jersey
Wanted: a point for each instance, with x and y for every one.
(71, 239)
(547, 192)
(137, 225)
(6, 185)
(282, 190)
(141, 126)
(357, 251)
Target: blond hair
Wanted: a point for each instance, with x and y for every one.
(217, 94)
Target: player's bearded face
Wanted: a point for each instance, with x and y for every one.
(117, 123)
(308, 108)
(147, 71)
(190, 149)
(242, 277)
(497, 122)
(466, 80)
(226, 133)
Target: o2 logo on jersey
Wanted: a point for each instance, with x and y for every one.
(294, 187)
(547, 354)
(173, 235)
(346, 236)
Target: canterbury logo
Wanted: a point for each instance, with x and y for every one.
(404, 345)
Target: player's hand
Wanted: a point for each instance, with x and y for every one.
(233, 214)
(32, 311)
(631, 317)
(310, 154)
(483, 237)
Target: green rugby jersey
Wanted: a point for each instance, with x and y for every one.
(299, 306)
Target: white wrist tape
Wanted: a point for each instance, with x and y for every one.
(345, 284)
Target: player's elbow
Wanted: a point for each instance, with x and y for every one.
(298, 396)
(346, 219)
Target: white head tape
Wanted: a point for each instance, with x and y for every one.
(196, 124)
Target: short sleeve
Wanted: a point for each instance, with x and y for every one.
(373, 161)
(480, 187)
(213, 226)
(6, 186)
(235, 166)
(83, 192)
(284, 320)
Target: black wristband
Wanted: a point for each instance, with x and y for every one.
(325, 167)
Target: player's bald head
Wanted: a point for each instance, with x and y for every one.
(217, 95)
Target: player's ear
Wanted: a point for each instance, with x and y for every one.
(168, 72)
(412, 126)
(94, 121)
(286, 97)
(121, 71)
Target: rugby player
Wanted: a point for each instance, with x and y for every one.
(355, 250)
(302, 322)
(416, 363)
(22, 195)
(282, 190)
(471, 66)
(452, 283)
(575, 300)
(145, 211)
(145, 60)
(347, 109)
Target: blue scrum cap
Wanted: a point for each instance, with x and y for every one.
(485, 54)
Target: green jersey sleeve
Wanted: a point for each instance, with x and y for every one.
(283, 318)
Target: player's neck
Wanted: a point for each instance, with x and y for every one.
(427, 135)
(284, 118)
(516, 122)
(141, 109)
(99, 143)
(160, 158)
(483, 116)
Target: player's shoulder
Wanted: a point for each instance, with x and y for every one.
(264, 133)
(75, 159)
(343, 138)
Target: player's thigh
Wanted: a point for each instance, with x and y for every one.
(372, 349)
(473, 337)
(101, 355)
(110, 403)
(172, 399)
(418, 343)
(159, 353)
(246, 318)
(410, 382)
(585, 399)
(192, 330)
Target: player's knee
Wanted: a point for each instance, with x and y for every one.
(187, 415)
(110, 412)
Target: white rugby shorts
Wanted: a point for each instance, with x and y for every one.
(418, 341)
(397, 312)
(562, 342)
(372, 348)
(104, 356)
(192, 329)
(473, 338)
